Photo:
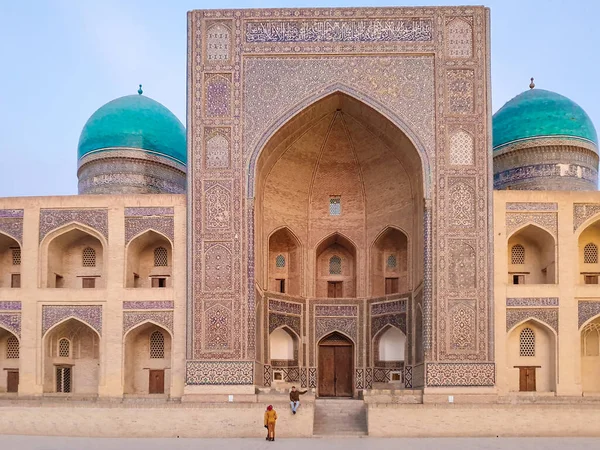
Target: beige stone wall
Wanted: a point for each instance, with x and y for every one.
(483, 420)
(55, 230)
(556, 226)
(207, 421)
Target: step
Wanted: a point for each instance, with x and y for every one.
(340, 417)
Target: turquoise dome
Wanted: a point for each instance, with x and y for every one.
(539, 113)
(134, 121)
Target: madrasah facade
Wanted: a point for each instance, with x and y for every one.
(341, 213)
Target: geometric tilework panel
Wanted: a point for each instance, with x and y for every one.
(326, 325)
(10, 306)
(587, 310)
(218, 267)
(219, 372)
(547, 316)
(12, 322)
(136, 225)
(461, 148)
(312, 377)
(51, 219)
(359, 378)
(582, 212)
(278, 320)
(408, 378)
(396, 320)
(460, 374)
(13, 228)
(144, 304)
(459, 39)
(267, 375)
(303, 377)
(532, 301)
(544, 220)
(89, 314)
(162, 318)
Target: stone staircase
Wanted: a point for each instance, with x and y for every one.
(340, 417)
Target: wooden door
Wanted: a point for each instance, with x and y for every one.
(327, 371)
(335, 289)
(527, 379)
(336, 367)
(343, 371)
(12, 381)
(156, 384)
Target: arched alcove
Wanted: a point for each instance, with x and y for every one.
(285, 263)
(531, 256)
(391, 347)
(589, 264)
(9, 361)
(590, 356)
(71, 358)
(335, 268)
(389, 263)
(149, 261)
(531, 352)
(74, 258)
(147, 360)
(10, 262)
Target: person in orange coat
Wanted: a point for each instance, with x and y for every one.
(270, 419)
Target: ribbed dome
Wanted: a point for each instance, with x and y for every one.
(134, 121)
(539, 113)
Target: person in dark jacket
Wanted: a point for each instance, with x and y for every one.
(295, 398)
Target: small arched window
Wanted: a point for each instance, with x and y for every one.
(527, 342)
(12, 348)
(89, 257)
(335, 265)
(160, 257)
(16, 256)
(157, 345)
(391, 262)
(590, 254)
(517, 254)
(280, 261)
(64, 348)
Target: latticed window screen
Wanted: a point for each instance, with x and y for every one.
(157, 345)
(160, 257)
(335, 206)
(517, 254)
(89, 257)
(335, 265)
(391, 262)
(63, 379)
(64, 348)
(527, 342)
(280, 261)
(12, 348)
(16, 256)
(590, 254)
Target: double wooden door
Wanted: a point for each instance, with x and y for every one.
(527, 379)
(336, 368)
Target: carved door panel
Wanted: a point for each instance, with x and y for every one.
(326, 371)
(12, 381)
(156, 384)
(343, 371)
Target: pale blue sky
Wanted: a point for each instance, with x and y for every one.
(60, 60)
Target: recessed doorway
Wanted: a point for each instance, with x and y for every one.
(336, 366)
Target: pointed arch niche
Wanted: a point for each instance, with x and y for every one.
(335, 267)
(74, 258)
(531, 352)
(531, 256)
(285, 263)
(10, 262)
(71, 358)
(147, 360)
(337, 173)
(589, 262)
(149, 261)
(389, 263)
(9, 361)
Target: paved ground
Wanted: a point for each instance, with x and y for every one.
(57, 443)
